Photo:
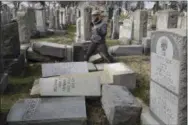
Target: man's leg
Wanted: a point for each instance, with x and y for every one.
(104, 50)
(92, 48)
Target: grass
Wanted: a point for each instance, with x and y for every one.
(67, 38)
(19, 87)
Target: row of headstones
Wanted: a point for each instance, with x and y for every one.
(138, 29)
(73, 81)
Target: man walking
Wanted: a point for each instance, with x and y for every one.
(98, 39)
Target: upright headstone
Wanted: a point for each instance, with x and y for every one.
(85, 23)
(71, 85)
(167, 19)
(182, 21)
(78, 30)
(41, 21)
(140, 25)
(24, 27)
(57, 24)
(51, 19)
(54, 69)
(168, 86)
(125, 34)
(115, 31)
(32, 21)
(37, 111)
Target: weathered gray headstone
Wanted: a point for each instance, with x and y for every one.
(95, 58)
(51, 19)
(37, 111)
(3, 82)
(168, 87)
(126, 50)
(119, 73)
(125, 33)
(23, 26)
(115, 31)
(50, 49)
(32, 21)
(71, 85)
(54, 69)
(120, 106)
(91, 67)
(167, 19)
(182, 21)
(35, 90)
(78, 30)
(140, 25)
(100, 66)
(10, 40)
(33, 56)
(41, 21)
(146, 42)
(85, 23)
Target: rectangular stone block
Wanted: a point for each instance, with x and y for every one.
(167, 19)
(126, 32)
(55, 69)
(3, 82)
(70, 85)
(50, 49)
(35, 90)
(100, 66)
(121, 74)
(91, 67)
(120, 106)
(33, 56)
(52, 111)
(95, 58)
(140, 24)
(168, 86)
(126, 50)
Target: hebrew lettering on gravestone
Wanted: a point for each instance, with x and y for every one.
(168, 86)
(54, 69)
(70, 85)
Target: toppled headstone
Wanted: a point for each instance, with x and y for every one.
(55, 69)
(95, 58)
(91, 67)
(167, 19)
(50, 49)
(146, 42)
(70, 85)
(36, 88)
(168, 85)
(37, 111)
(126, 50)
(3, 82)
(33, 56)
(121, 74)
(100, 66)
(120, 106)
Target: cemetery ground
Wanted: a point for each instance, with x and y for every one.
(19, 87)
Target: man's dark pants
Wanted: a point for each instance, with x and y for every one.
(101, 48)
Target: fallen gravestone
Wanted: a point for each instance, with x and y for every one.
(70, 85)
(40, 111)
(36, 88)
(120, 106)
(55, 69)
(126, 50)
(168, 86)
(91, 67)
(121, 74)
(100, 66)
(50, 49)
(33, 56)
(104, 79)
(95, 58)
